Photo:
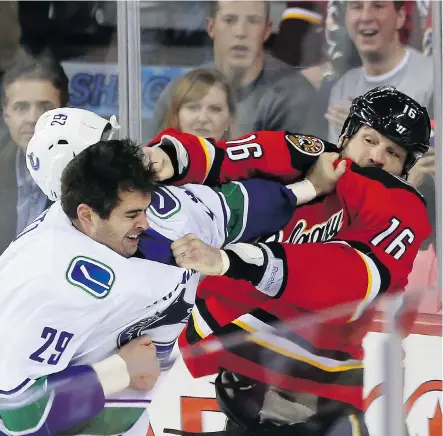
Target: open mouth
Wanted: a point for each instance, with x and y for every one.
(368, 33)
(134, 238)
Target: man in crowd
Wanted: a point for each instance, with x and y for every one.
(270, 95)
(375, 28)
(29, 88)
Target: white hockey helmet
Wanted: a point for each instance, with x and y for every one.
(60, 134)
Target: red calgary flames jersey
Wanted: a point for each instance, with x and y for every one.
(347, 247)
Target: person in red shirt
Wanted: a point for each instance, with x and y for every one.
(350, 246)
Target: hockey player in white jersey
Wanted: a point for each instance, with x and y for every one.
(84, 283)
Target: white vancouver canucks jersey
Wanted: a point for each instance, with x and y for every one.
(66, 299)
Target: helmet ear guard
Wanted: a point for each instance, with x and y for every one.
(394, 115)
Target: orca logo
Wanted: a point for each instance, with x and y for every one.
(177, 312)
(34, 161)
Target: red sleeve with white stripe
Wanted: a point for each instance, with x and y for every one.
(277, 154)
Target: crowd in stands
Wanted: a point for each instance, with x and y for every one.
(301, 79)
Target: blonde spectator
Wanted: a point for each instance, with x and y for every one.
(202, 104)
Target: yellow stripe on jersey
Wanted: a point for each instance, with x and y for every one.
(312, 362)
(204, 145)
(374, 281)
(200, 325)
(302, 14)
(196, 327)
(374, 285)
(355, 424)
(368, 289)
(243, 326)
(251, 324)
(264, 336)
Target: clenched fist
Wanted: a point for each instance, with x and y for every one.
(324, 175)
(142, 363)
(192, 253)
(160, 161)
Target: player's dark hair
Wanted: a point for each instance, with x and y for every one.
(100, 173)
(43, 68)
(214, 7)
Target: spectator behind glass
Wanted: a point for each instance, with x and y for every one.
(202, 104)
(340, 55)
(264, 100)
(424, 274)
(376, 28)
(29, 88)
(300, 34)
(312, 36)
(10, 34)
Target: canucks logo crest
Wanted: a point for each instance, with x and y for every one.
(91, 275)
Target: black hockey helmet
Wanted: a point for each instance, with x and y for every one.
(394, 115)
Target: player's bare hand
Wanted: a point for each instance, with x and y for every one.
(323, 175)
(142, 363)
(337, 114)
(424, 165)
(192, 253)
(160, 161)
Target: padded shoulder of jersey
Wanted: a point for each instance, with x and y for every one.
(388, 180)
(176, 211)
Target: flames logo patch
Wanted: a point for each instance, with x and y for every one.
(309, 145)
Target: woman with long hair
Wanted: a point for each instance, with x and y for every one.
(202, 104)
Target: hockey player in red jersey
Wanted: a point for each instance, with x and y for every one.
(350, 246)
